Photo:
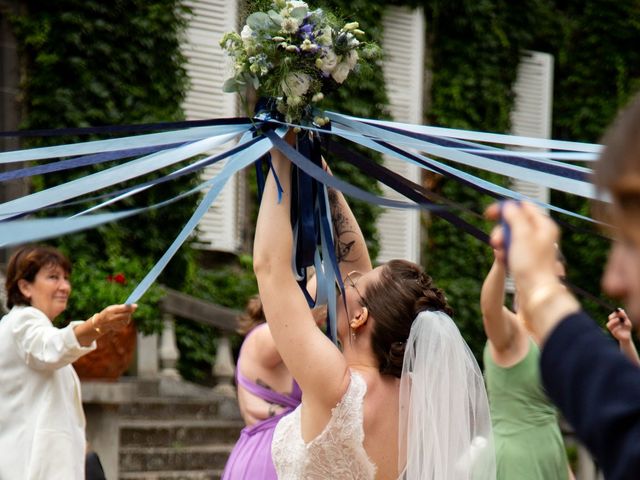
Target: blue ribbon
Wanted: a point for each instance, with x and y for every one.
(314, 226)
(568, 185)
(109, 177)
(140, 141)
(234, 164)
(80, 162)
(132, 128)
(451, 172)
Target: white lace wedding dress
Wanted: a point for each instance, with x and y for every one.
(337, 453)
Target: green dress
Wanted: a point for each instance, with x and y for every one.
(527, 438)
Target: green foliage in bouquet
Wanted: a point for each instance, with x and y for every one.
(295, 56)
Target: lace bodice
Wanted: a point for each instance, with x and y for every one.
(338, 451)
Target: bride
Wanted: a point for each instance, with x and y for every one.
(403, 397)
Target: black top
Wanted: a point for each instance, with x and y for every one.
(597, 389)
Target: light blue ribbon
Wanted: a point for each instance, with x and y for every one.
(99, 146)
(484, 137)
(492, 187)
(109, 177)
(562, 184)
(233, 165)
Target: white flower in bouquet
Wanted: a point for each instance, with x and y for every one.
(246, 34)
(325, 37)
(352, 59)
(289, 25)
(320, 121)
(295, 84)
(341, 72)
(328, 61)
(308, 46)
(352, 41)
(294, 4)
(350, 26)
(294, 101)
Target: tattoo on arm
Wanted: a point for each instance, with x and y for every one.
(344, 233)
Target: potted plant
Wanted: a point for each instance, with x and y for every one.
(97, 284)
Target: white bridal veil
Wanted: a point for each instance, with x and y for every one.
(445, 426)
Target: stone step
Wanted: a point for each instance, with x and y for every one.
(181, 475)
(178, 433)
(160, 459)
(181, 408)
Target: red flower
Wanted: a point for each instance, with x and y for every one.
(117, 278)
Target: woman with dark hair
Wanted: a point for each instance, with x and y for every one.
(403, 395)
(41, 418)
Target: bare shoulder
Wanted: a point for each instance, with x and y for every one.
(260, 347)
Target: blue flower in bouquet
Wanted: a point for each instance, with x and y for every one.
(295, 56)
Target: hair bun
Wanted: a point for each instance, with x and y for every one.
(395, 359)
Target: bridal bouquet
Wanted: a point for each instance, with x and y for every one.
(293, 56)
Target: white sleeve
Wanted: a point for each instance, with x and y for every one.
(43, 346)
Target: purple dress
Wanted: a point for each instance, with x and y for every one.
(250, 458)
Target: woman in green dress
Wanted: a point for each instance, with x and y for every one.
(528, 442)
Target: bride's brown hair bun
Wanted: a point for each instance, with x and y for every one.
(394, 300)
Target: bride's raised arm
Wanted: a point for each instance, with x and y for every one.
(315, 362)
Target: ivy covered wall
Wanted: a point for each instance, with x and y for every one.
(474, 51)
(92, 63)
(96, 63)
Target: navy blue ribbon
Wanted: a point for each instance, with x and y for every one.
(150, 183)
(486, 152)
(304, 203)
(83, 161)
(132, 128)
(411, 190)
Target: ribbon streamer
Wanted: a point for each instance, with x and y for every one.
(191, 139)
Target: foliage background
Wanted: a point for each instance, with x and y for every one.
(475, 49)
(94, 63)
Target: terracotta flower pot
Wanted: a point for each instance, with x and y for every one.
(112, 357)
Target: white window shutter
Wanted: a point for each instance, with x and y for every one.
(531, 115)
(403, 44)
(208, 66)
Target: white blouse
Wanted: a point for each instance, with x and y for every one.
(41, 417)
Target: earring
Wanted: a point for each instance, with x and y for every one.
(353, 334)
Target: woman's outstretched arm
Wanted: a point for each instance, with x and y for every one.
(500, 323)
(316, 364)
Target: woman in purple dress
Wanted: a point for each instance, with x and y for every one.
(266, 392)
